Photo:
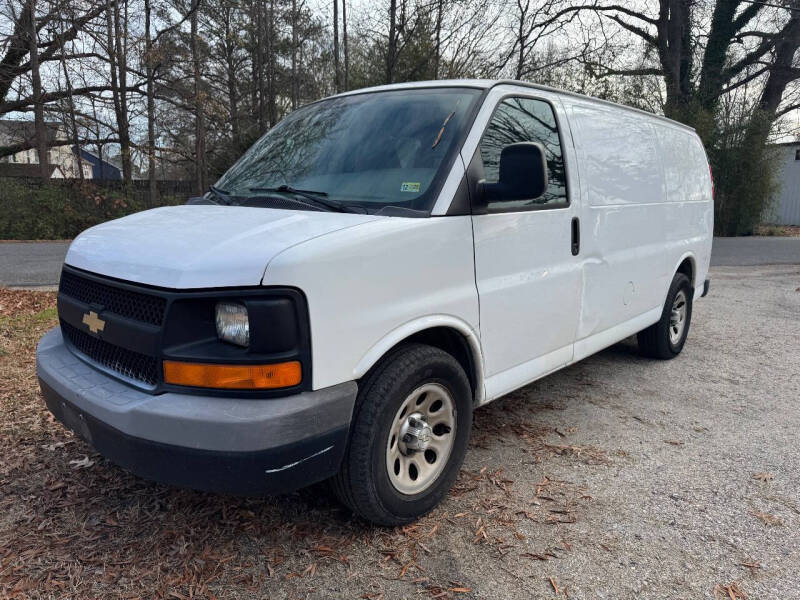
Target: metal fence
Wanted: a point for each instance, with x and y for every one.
(785, 208)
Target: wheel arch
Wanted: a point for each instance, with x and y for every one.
(446, 332)
(688, 266)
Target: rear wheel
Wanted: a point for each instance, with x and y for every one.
(409, 436)
(666, 338)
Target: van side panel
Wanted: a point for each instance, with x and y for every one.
(394, 275)
(688, 181)
(643, 211)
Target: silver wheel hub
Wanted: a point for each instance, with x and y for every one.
(677, 317)
(421, 439)
(415, 434)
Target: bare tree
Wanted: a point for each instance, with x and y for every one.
(151, 103)
(40, 128)
(438, 57)
(723, 65)
(295, 91)
(272, 92)
(336, 70)
(199, 109)
(391, 51)
(73, 121)
(117, 60)
(344, 42)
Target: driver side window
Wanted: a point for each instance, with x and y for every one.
(525, 120)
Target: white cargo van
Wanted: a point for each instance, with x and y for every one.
(375, 267)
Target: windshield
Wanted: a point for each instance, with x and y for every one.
(367, 150)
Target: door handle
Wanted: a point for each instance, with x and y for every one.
(576, 236)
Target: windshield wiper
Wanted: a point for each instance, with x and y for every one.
(444, 124)
(318, 198)
(221, 195)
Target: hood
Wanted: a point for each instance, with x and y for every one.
(199, 246)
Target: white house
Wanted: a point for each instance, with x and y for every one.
(65, 162)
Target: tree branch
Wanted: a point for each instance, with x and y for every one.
(7, 107)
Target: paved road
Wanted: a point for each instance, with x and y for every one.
(34, 264)
(752, 251)
(31, 264)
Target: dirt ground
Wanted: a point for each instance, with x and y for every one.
(616, 478)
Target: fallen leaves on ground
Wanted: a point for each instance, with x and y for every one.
(753, 565)
(81, 463)
(16, 302)
(74, 525)
(729, 592)
(768, 519)
(763, 477)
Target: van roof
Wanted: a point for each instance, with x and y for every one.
(486, 84)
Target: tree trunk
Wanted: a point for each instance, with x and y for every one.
(72, 119)
(258, 68)
(674, 50)
(199, 115)
(17, 47)
(295, 93)
(336, 84)
(272, 102)
(716, 53)
(230, 66)
(123, 125)
(521, 39)
(782, 71)
(390, 53)
(344, 41)
(438, 57)
(151, 107)
(42, 146)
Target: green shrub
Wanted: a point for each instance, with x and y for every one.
(33, 210)
(745, 174)
(744, 166)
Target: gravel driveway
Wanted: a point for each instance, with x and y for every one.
(680, 476)
(616, 478)
(702, 481)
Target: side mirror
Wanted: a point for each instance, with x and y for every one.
(523, 174)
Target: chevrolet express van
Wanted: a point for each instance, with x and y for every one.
(375, 267)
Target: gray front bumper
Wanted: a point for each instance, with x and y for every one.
(265, 439)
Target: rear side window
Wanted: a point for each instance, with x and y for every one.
(525, 120)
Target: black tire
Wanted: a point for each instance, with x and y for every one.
(655, 342)
(363, 483)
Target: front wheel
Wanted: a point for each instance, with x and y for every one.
(666, 338)
(409, 436)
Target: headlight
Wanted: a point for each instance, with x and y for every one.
(233, 324)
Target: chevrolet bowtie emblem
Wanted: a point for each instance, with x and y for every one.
(94, 322)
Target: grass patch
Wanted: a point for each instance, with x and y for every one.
(777, 230)
(45, 316)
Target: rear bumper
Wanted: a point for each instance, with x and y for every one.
(230, 445)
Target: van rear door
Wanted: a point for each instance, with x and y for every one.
(528, 280)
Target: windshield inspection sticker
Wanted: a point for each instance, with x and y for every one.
(410, 186)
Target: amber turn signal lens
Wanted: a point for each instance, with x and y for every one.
(233, 377)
